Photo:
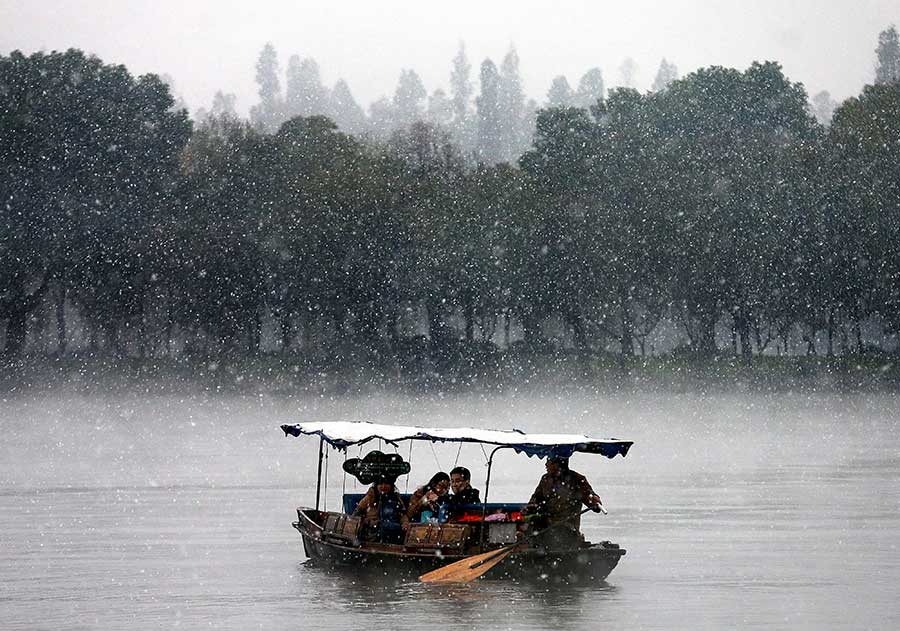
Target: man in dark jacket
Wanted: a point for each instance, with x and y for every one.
(557, 500)
(463, 493)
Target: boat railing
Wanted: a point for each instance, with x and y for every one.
(464, 513)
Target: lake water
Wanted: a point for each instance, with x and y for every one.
(145, 511)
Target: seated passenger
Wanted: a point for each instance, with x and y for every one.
(426, 502)
(384, 515)
(463, 493)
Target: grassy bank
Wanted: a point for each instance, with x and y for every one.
(502, 371)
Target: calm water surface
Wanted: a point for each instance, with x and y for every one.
(140, 511)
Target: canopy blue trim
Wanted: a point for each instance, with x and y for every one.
(341, 435)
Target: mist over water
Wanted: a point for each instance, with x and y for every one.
(737, 510)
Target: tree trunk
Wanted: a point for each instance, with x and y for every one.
(61, 334)
(506, 325)
(112, 339)
(306, 333)
(706, 334)
(859, 342)
(578, 333)
(437, 328)
(742, 324)
(830, 352)
(809, 336)
(16, 327)
(531, 330)
(167, 330)
(142, 326)
(285, 324)
(92, 344)
(626, 341)
(17, 309)
(469, 316)
(254, 333)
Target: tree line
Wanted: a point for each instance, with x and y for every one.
(492, 126)
(717, 202)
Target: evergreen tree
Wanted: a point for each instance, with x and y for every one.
(590, 89)
(461, 88)
(823, 106)
(666, 74)
(305, 95)
(560, 93)
(440, 109)
(628, 73)
(409, 99)
(345, 111)
(487, 104)
(529, 121)
(180, 103)
(382, 118)
(887, 67)
(267, 114)
(511, 106)
(223, 106)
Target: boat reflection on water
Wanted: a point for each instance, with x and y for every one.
(538, 603)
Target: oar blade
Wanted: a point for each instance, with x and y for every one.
(467, 569)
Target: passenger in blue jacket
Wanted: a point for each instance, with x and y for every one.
(383, 513)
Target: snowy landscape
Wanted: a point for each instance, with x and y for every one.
(701, 255)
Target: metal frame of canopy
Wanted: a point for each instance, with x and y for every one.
(341, 435)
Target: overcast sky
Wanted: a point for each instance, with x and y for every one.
(208, 45)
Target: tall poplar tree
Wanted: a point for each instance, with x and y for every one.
(462, 126)
(305, 95)
(440, 109)
(461, 87)
(267, 114)
(345, 111)
(666, 74)
(628, 73)
(511, 104)
(560, 93)
(590, 89)
(822, 107)
(488, 108)
(409, 99)
(887, 66)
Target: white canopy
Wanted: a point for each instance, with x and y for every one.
(343, 434)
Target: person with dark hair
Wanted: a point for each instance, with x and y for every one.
(428, 498)
(463, 493)
(557, 502)
(383, 513)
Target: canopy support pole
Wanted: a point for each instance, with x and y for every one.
(319, 473)
(487, 489)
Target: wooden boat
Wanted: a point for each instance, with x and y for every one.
(331, 539)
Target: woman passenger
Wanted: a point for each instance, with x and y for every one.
(383, 513)
(428, 498)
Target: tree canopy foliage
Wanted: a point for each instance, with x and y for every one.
(716, 202)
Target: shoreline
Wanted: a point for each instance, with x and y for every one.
(286, 375)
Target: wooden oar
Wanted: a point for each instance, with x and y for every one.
(472, 567)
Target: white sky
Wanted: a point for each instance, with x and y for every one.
(207, 45)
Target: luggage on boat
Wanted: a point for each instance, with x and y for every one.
(437, 536)
(341, 528)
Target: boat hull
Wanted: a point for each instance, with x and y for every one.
(584, 565)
